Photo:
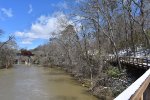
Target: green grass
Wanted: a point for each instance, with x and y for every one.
(113, 72)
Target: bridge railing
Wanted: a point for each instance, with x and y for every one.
(139, 90)
(138, 62)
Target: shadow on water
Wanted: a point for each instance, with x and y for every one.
(64, 78)
(57, 80)
(63, 98)
(134, 73)
(54, 73)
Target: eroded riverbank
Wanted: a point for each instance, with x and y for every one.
(38, 83)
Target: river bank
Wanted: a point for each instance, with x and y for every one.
(40, 83)
(107, 86)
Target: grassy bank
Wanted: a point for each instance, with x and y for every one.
(105, 86)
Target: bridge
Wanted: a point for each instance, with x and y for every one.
(23, 57)
(142, 63)
(140, 89)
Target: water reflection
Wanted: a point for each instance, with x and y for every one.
(63, 98)
(38, 83)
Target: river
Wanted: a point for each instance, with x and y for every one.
(38, 83)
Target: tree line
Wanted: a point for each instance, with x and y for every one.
(7, 51)
(104, 27)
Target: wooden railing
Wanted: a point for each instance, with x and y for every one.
(139, 90)
(137, 62)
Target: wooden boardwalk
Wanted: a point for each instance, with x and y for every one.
(143, 63)
(140, 89)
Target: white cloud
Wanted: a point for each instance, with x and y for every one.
(19, 33)
(62, 5)
(30, 9)
(79, 1)
(26, 41)
(42, 28)
(7, 12)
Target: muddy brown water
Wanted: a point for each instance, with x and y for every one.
(39, 83)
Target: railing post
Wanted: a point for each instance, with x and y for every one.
(129, 60)
(146, 94)
(126, 60)
(137, 61)
(141, 98)
(147, 61)
(142, 62)
(133, 61)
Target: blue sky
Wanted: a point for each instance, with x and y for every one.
(30, 21)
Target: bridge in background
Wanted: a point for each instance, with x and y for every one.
(23, 57)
